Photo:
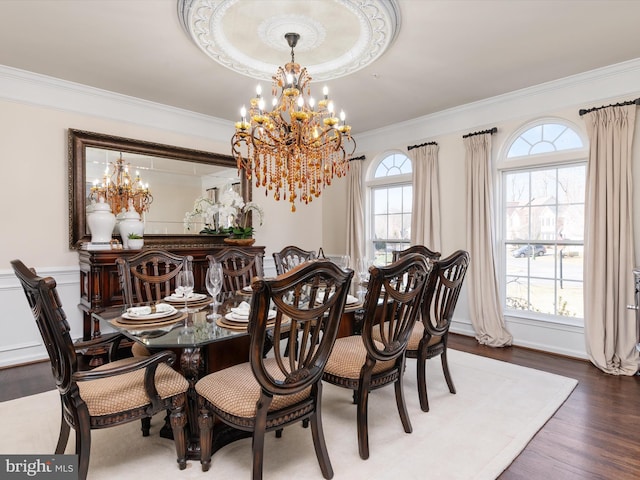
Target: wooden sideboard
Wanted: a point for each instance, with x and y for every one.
(100, 287)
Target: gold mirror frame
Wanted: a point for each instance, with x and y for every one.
(79, 140)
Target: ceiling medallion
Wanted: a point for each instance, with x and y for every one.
(337, 37)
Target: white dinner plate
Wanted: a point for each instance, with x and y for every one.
(132, 313)
(245, 319)
(196, 297)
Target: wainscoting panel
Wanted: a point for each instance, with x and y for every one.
(20, 341)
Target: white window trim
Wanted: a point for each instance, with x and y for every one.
(370, 182)
(562, 158)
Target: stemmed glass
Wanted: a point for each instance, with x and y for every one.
(185, 284)
(344, 261)
(363, 275)
(213, 282)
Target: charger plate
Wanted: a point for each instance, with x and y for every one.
(141, 325)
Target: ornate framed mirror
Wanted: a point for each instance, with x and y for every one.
(175, 176)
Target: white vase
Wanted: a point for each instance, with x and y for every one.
(130, 223)
(101, 222)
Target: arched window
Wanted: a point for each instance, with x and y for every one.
(390, 197)
(543, 187)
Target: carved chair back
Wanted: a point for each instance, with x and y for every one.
(290, 257)
(150, 275)
(239, 267)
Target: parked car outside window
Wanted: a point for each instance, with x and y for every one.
(529, 250)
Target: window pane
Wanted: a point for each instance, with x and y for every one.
(380, 201)
(533, 135)
(551, 131)
(568, 140)
(380, 227)
(395, 227)
(395, 199)
(407, 198)
(571, 184)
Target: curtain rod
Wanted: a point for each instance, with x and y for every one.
(621, 104)
(491, 131)
(361, 157)
(421, 145)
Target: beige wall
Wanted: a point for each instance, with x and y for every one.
(34, 186)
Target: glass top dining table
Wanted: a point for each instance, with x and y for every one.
(191, 329)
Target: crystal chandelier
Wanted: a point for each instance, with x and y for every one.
(120, 191)
(297, 147)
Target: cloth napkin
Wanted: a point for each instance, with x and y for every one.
(352, 299)
(142, 311)
(242, 310)
(179, 293)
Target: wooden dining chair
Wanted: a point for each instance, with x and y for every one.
(363, 364)
(115, 393)
(239, 267)
(150, 275)
(429, 336)
(421, 249)
(290, 257)
(270, 393)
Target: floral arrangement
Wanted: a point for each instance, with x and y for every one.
(230, 215)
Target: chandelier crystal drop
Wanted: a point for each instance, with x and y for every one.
(121, 191)
(296, 148)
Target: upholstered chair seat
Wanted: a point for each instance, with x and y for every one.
(110, 395)
(235, 391)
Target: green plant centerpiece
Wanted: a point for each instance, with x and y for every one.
(229, 216)
(134, 236)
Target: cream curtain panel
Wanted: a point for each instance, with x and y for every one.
(484, 300)
(425, 218)
(355, 213)
(609, 256)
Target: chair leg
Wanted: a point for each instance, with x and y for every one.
(362, 422)
(63, 437)
(205, 423)
(259, 429)
(178, 421)
(145, 426)
(83, 444)
(422, 383)
(319, 444)
(447, 374)
(402, 406)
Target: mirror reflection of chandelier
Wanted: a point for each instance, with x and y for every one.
(120, 191)
(297, 148)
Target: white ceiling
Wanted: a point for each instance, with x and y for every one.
(447, 52)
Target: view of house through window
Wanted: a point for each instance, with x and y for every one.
(391, 202)
(544, 228)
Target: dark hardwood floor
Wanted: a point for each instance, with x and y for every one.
(594, 435)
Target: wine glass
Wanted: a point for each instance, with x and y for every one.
(363, 275)
(213, 282)
(344, 261)
(186, 283)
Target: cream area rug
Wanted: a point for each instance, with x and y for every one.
(474, 434)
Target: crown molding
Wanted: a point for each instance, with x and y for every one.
(580, 91)
(39, 90)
